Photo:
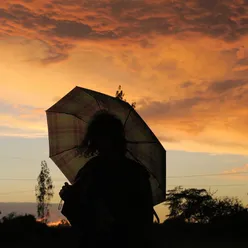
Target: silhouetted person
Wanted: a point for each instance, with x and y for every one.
(110, 202)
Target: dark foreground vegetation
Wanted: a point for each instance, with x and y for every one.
(25, 231)
(196, 219)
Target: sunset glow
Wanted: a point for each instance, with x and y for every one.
(185, 64)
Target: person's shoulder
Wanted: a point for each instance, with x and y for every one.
(89, 166)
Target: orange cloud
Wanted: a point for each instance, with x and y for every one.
(183, 62)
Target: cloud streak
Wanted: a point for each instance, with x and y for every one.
(237, 173)
(22, 121)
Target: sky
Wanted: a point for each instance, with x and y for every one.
(185, 64)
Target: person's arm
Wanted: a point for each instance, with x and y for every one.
(74, 194)
(71, 208)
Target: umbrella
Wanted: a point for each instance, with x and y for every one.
(67, 122)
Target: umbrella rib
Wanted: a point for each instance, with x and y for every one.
(64, 151)
(128, 116)
(142, 142)
(147, 127)
(98, 104)
(159, 185)
(88, 93)
(56, 112)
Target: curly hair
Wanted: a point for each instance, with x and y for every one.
(102, 124)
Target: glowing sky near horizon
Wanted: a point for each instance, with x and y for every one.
(185, 63)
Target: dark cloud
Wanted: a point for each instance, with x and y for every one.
(167, 65)
(48, 5)
(146, 44)
(244, 21)
(133, 20)
(71, 29)
(226, 85)
(22, 15)
(19, 9)
(58, 57)
(210, 17)
(161, 25)
(5, 15)
(178, 114)
(214, 18)
(186, 84)
(193, 114)
(210, 4)
(241, 68)
(170, 109)
(242, 62)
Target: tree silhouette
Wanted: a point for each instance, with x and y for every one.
(120, 94)
(10, 216)
(199, 205)
(44, 193)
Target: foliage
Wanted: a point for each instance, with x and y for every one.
(199, 205)
(10, 217)
(16, 223)
(120, 94)
(13, 217)
(16, 228)
(25, 231)
(44, 192)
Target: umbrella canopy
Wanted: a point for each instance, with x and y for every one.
(67, 122)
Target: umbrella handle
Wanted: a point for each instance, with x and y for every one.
(156, 216)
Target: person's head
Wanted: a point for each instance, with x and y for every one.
(105, 136)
